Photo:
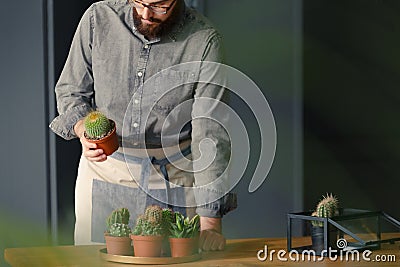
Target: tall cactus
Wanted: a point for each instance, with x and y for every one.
(118, 216)
(326, 208)
(97, 125)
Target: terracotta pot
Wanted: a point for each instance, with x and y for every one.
(147, 246)
(181, 247)
(119, 245)
(109, 143)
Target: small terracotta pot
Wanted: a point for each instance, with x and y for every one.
(147, 246)
(119, 245)
(181, 247)
(109, 143)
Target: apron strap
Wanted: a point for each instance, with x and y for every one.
(146, 166)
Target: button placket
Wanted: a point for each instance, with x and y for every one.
(137, 98)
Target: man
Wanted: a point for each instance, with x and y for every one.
(131, 60)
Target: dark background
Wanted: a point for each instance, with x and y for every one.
(329, 69)
(351, 66)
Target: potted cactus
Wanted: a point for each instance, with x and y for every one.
(148, 233)
(168, 218)
(328, 207)
(117, 237)
(184, 235)
(101, 130)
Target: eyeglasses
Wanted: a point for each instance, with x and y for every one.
(156, 9)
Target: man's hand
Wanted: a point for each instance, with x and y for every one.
(89, 149)
(211, 237)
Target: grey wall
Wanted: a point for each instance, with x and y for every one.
(263, 40)
(23, 112)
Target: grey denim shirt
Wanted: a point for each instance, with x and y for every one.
(138, 83)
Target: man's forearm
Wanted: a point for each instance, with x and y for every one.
(207, 223)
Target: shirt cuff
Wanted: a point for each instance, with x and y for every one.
(63, 125)
(218, 208)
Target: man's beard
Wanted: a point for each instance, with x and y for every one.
(161, 28)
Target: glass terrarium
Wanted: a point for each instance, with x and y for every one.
(352, 229)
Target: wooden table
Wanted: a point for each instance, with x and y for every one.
(238, 252)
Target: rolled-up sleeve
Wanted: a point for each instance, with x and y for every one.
(212, 184)
(74, 89)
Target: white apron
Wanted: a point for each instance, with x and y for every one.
(104, 186)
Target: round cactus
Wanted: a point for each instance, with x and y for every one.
(146, 228)
(151, 222)
(154, 214)
(97, 125)
(119, 229)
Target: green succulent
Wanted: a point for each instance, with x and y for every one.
(326, 208)
(120, 230)
(118, 216)
(168, 218)
(145, 227)
(97, 125)
(154, 214)
(154, 221)
(184, 227)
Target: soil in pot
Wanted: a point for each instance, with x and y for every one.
(181, 247)
(119, 245)
(147, 246)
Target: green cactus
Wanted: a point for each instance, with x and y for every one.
(168, 218)
(119, 229)
(154, 214)
(184, 227)
(326, 208)
(97, 125)
(153, 221)
(145, 227)
(120, 216)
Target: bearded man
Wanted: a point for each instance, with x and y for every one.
(137, 62)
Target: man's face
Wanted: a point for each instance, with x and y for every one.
(150, 23)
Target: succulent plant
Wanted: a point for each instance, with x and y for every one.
(326, 208)
(168, 218)
(119, 229)
(118, 216)
(154, 214)
(154, 221)
(145, 227)
(97, 125)
(184, 227)
(117, 223)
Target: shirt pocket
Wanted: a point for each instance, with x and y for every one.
(172, 88)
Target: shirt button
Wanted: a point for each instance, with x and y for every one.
(140, 74)
(146, 46)
(136, 101)
(135, 124)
